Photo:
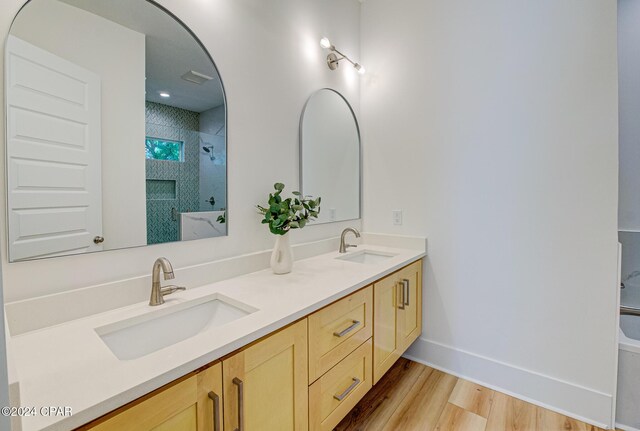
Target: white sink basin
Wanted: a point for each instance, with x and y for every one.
(142, 335)
(366, 256)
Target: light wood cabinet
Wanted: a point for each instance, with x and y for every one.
(333, 395)
(386, 348)
(397, 320)
(185, 405)
(265, 385)
(410, 317)
(338, 329)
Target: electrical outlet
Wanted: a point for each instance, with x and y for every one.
(397, 217)
(332, 213)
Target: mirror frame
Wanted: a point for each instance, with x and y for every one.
(300, 155)
(6, 152)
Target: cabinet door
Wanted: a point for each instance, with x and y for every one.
(410, 315)
(181, 406)
(265, 385)
(209, 399)
(385, 334)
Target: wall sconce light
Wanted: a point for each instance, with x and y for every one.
(333, 61)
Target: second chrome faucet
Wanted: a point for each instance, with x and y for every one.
(343, 245)
(157, 291)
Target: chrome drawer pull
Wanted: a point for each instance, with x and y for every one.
(401, 301)
(356, 382)
(405, 286)
(216, 410)
(347, 330)
(236, 381)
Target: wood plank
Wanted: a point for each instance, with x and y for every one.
(510, 414)
(472, 397)
(454, 418)
(375, 409)
(423, 405)
(548, 420)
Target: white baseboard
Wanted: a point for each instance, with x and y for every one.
(585, 404)
(626, 427)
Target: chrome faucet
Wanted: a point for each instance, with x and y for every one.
(158, 292)
(343, 245)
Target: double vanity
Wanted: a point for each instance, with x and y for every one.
(231, 345)
(257, 351)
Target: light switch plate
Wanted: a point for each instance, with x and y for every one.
(397, 217)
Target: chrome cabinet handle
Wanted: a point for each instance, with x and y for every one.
(216, 410)
(98, 240)
(236, 381)
(356, 382)
(401, 301)
(347, 330)
(405, 286)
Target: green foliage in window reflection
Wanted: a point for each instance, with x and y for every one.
(160, 149)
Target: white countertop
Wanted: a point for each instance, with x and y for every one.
(69, 365)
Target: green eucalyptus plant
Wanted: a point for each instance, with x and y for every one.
(282, 215)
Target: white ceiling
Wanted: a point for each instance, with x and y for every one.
(171, 51)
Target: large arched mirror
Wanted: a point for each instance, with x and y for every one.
(116, 130)
(330, 155)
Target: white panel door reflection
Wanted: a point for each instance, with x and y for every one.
(53, 147)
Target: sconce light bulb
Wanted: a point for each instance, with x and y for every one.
(361, 70)
(325, 43)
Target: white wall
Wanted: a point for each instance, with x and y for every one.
(270, 61)
(493, 125)
(629, 92)
(117, 54)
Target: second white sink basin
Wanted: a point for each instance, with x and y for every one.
(366, 256)
(142, 335)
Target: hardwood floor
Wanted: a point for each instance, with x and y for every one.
(412, 396)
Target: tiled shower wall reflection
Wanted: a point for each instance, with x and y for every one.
(213, 166)
(172, 187)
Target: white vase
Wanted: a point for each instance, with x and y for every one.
(282, 257)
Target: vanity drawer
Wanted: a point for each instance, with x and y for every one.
(337, 330)
(333, 395)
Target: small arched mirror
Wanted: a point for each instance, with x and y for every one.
(330, 155)
(116, 129)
